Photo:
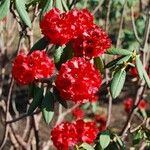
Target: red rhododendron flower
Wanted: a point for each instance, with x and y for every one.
(35, 66)
(78, 113)
(78, 80)
(54, 28)
(91, 43)
(128, 103)
(134, 71)
(43, 65)
(22, 72)
(142, 104)
(79, 20)
(61, 28)
(64, 136)
(87, 131)
(101, 120)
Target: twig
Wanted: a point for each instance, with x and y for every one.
(21, 117)
(134, 27)
(120, 26)
(140, 90)
(97, 7)
(62, 116)
(108, 15)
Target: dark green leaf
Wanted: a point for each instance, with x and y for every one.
(104, 139)
(139, 67)
(38, 96)
(113, 62)
(118, 51)
(48, 6)
(86, 146)
(137, 137)
(99, 64)
(124, 59)
(39, 45)
(67, 54)
(48, 107)
(4, 8)
(21, 9)
(59, 99)
(117, 82)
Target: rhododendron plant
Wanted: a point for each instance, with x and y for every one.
(80, 65)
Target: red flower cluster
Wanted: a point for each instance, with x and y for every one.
(67, 135)
(128, 103)
(78, 80)
(87, 131)
(101, 120)
(78, 113)
(91, 43)
(77, 26)
(61, 28)
(64, 136)
(27, 68)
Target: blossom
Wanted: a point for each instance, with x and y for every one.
(101, 120)
(128, 103)
(78, 113)
(64, 136)
(54, 28)
(22, 72)
(78, 80)
(43, 65)
(91, 43)
(27, 68)
(142, 105)
(79, 20)
(87, 131)
(60, 28)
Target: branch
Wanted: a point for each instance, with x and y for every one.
(21, 117)
(62, 116)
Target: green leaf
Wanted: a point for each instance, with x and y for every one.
(65, 5)
(38, 96)
(146, 77)
(4, 8)
(48, 6)
(99, 64)
(120, 142)
(139, 67)
(124, 59)
(67, 54)
(59, 5)
(138, 135)
(39, 45)
(113, 62)
(104, 139)
(86, 146)
(94, 106)
(21, 9)
(118, 51)
(58, 53)
(117, 82)
(48, 107)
